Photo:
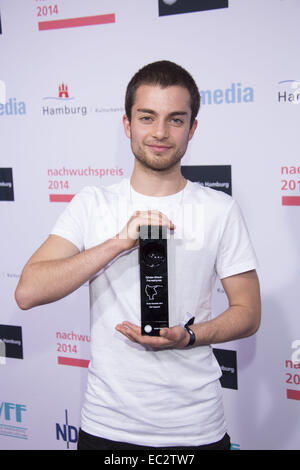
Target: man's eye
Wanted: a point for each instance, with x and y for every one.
(177, 121)
(146, 118)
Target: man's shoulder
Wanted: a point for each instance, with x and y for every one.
(208, 195)
(97, 194)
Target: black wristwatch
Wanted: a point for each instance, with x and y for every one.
(190, 332)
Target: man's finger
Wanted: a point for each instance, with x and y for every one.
(133, 332)
(164, 332)
(125, 331)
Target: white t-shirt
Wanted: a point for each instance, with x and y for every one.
(136, 394)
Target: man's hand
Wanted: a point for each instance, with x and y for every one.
(170, 338)
(130, 233)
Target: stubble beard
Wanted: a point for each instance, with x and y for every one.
(157, 162)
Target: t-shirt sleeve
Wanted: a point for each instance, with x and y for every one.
(236, 253)
(72, 223)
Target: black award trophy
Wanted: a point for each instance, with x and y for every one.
(154, 279)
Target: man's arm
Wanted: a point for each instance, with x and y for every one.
(241, 319)
(57, 268)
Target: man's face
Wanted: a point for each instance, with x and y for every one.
(160, 130)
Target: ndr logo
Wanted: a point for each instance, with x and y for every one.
(66, 432)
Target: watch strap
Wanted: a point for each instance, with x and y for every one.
(190, 332)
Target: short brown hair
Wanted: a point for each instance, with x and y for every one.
(163, 73)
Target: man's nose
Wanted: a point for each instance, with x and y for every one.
(160, 129)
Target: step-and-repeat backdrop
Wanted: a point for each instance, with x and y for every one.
(64, 68)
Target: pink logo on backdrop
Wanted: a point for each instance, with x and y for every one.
(63, 91)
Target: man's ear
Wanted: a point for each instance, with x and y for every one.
(193, 128)
(126, 124)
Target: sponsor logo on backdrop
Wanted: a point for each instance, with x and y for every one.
(12, 420)
(60, 179)
(289, 92)
(212, 176)
(66, 432)
(62, 95)
(6, 184)
(72, 348)
(228, 364)
(54, 15)
(290, 185)
(66, 106)
(236, 93)
(12, 107)
(175, 7)
(11, 341)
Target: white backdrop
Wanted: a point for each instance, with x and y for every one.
(55, 145)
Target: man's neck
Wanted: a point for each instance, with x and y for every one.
(157, 183)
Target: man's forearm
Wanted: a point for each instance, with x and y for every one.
(50, 280)
(240, 320)
(235, 323)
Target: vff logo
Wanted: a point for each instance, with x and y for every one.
(67, 433)
(12, 411)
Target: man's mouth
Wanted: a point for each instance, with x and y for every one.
(159, 148)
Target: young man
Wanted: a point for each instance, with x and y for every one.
(152, 391)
